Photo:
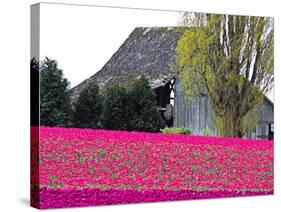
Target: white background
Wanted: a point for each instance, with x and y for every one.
(86, 37)
(14, 111)
(74, 35)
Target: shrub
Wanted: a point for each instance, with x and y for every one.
(206, 131)
(131, 109)
(176, 130)
(143, 110)
(88, 108)
(115, 112)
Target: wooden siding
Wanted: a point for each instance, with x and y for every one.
(196, 114)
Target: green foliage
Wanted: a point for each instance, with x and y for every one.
(55, 105)
(143, 112)
(206, 131)
(52, 180)
(131, 109)
(88, 108)
(115, 112)
(101, 152)
(176, 130)
(216, 57)
(251, 118)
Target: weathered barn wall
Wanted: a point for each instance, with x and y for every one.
(266, 117)
(196, 114)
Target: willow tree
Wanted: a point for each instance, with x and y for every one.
(229, 58)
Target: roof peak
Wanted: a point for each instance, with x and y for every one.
(162, 28)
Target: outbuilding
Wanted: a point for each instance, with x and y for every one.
(150, 52)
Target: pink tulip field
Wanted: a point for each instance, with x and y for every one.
(83, 167)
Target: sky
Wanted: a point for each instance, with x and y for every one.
(82, 38)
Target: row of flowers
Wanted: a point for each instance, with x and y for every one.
(54, 198)
(77, 159)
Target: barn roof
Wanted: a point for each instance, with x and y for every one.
(148, 51)
(269, 101)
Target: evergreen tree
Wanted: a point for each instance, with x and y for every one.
(115, 114)
(88, 108)
(143, 112)
(132, 109)
(55, 105)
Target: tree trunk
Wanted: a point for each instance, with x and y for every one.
(229, 124)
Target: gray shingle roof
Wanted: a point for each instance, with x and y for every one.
(148, 51)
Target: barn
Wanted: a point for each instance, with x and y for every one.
(150, 52)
